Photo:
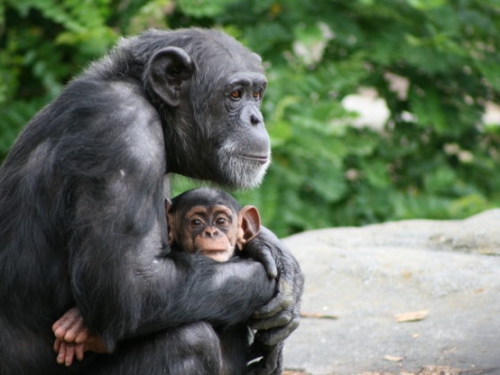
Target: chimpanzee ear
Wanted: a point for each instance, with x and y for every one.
(249, 225)
(168, 71)
(170, 221)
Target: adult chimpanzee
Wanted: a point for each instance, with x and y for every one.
(82, 218)
(205, 221)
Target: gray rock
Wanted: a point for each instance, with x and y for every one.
(364, 277)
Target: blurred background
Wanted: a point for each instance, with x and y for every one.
(377, 109)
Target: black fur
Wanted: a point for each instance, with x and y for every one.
(82, 218)
(234, 340)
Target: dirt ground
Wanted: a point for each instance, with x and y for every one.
(431, 370)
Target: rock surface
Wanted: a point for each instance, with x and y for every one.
(440, 279)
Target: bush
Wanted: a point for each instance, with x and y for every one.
(434, 158)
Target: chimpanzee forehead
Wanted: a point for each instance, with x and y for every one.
(204, 197)
(207, 210)
(247, 79)
(190, 204)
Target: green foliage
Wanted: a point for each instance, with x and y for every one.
(434, 158)
(203, 8)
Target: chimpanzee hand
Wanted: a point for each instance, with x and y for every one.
(73, 338)
(280, 317)
(270, 364)
(66, 352)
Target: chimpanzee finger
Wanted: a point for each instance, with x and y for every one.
(72, 333)
(282, 300)
(70, 354)
(77, 332)
(61, 355)
(277, 335)
(69, 315)
(271, 363)
(265, 366)
(61, 327)
(264, 256)
(279, 320)
(79, 350)
(57, 345)
(82, 336)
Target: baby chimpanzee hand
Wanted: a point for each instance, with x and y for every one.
(73, 338)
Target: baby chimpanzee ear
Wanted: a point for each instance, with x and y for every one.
(170, 221)
(249, 225)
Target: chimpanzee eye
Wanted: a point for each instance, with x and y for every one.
(256, 94)
(221, 221)
(196, 222)
(236, 94)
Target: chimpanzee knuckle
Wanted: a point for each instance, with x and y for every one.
(271, 308)
(270, 266)
(287, 294)
(278, 335)
(282, 301)
(282, 319)
(294, 324)
(258, 324)
(263, 256)
(278, 320)
(282, 334)
(60, 332)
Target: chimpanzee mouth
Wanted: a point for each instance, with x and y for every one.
(258, 158)
(212, 252)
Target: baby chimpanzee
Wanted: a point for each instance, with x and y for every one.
(201, 221)
(210, 222)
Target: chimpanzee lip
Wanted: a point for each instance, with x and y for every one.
(260, 158)
(211, 251)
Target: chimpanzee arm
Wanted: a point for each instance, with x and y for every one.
(124, 277)
(274, 321)
(125, 286)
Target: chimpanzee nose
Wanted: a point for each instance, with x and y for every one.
(254, 120)
(211, 232)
